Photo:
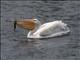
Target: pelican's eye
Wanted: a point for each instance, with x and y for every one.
(35, 19)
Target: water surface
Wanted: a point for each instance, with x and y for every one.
(15, 45)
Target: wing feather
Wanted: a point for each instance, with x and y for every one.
(50, 28)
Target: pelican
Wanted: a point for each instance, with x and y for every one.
(46, 30)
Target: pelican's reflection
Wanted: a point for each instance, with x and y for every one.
(39, 43)
(35, 42)
(29, 43)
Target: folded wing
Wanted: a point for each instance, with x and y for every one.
(51, 28)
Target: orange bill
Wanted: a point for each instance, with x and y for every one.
(26, 24)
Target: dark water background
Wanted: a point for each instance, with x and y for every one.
(14, 45)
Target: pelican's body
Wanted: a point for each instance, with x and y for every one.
(50, 29)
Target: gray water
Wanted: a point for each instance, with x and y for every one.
(16, 46)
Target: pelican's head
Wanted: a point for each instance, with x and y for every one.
(29, 24)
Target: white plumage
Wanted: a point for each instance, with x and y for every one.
(50, 29)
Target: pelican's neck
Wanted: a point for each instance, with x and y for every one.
(34, 30)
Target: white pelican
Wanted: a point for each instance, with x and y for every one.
(50, 29)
